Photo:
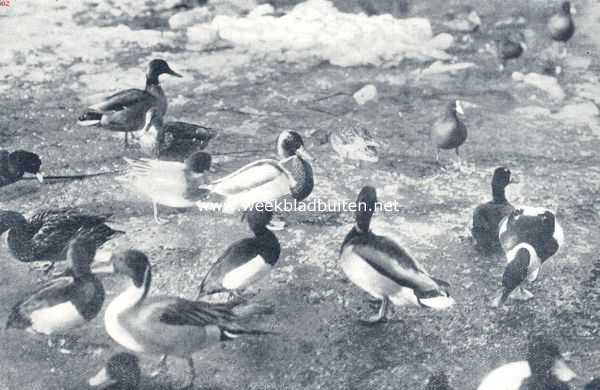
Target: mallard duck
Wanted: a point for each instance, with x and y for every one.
(47, 234)
(438, 381)
(264, 181)
(354, 143)
(510, 48)
(245, 261)
(561, 26)
(14, 165)
(449, 132)
(122, 372)
(487, 216)
(66, 302)
(158, 139)
(383, 269)
(169, 183)
(529, 237)
(126, 110)
(163, 325)
(543, 369)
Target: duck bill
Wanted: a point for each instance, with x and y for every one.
(40, 177)
(101, 380)
(562, 371)
(302, 153)
(573, 10)
(459, 108)
(173, 73)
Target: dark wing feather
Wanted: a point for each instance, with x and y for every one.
(122, 100)
(52, 293)
(183, 312)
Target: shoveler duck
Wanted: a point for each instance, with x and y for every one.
(544, 369)
(122, 372)
(385, 270)
(126, 110)
(509, 48)
(66, 302)
(47, 234)
(163, 325)
(354, 143)
(529, 237)
(561, 26)
(264, 181)
(169, 183)
(246, 261)
(438, 381)
(449, 132)
(158, 139)
(13, 165)
(487, 216)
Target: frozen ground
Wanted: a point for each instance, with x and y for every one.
(56, 55)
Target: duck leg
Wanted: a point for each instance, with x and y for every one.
(191, 374)
(161, 368)
(380, 316)
(459, 162)
(521, 294)
(156, 218)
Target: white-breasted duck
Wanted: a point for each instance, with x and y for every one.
(264, 181)
(385, 270)
(168, 183)
(246, 261)
(126, 110)
(544, 369)
(354, 142)
(561, 26)
(164, 325)
(449, 131)
(438, 381)
(47, 234)
(13, 165)
(487, 216)
(510, 47)
(121, 372)
(529, 237)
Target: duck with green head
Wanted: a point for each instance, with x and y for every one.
(13, 165)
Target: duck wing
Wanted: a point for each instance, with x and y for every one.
(253, 175)
(122, 100)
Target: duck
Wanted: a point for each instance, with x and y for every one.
(386, 271)
(544, 368)
(66, 302)
(508, 48)
(529, 237)
(165, 325)
(263, 181)
(121, 372)
(354, 143)
(438, 381)
(47, 234)
(125, 111)
(158, 140)
(169, 183)
(594, 384)
(14, 165)
(487, 216)
(449, 132)
(246, 261)
(561, 26)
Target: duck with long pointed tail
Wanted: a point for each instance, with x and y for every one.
(529, 237)
(125, 111)
(14, 165)
(449, 131)
(122, 372)
(164, 325)
(169, 183)
(264, 181)
(487, 216)
(385, 270)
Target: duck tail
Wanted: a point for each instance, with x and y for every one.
(233, 333)
(89, 118)
(17, 320)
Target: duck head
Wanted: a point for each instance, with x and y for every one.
(198, 162)
(566, 8)
(503, 177)
(455, 107)
(121, 369)
(131, 263)
(153, 118)
(545, 360)
(156, 67)
(10, 219)
(259, 220)
(365, 207)
(22, 161)
(290, 143)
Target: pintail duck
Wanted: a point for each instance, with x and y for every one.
(163, 325)
(158, 139)
(449, 132)
(264, 181)
(487, 216)
(561, 26)
(543, 369)
(14, 165)
(246, 261)
(122, 372)
(438, 381)
(354, 143)
(510, 48)
(126, 110)
(383, 269)
(169, 183)
(529, 237)
(47, 234)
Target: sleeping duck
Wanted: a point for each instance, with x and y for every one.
(66, 302)
(509, 48)
(487, 216)
(544, 369)
(354, 143)
(383, 269)
(163, 325)
(264, 181)
(15, 164)
(122, 372)
(438, 381)
(126, 110)
(169, 183)
(561, 26)
(449, 132)
(246, 261)
(529, 237)
(159, 140)
(47, 234)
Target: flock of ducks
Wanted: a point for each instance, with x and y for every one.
(173, 326)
